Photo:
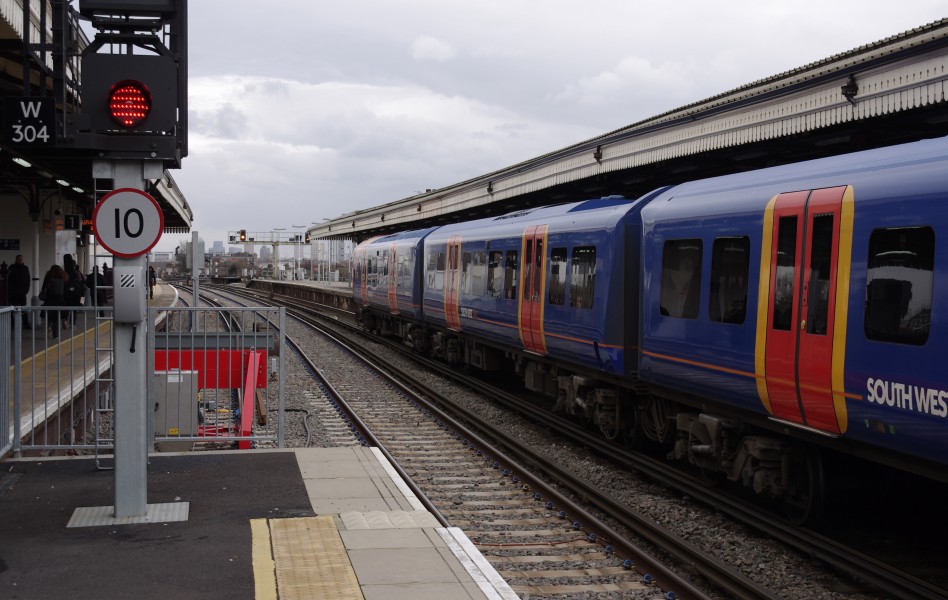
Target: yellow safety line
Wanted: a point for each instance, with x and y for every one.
(264, 569)
(26, 361)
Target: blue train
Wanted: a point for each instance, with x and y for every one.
(747, 320)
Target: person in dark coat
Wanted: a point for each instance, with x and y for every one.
(96, 284)
(152, 281)
(52, 294)
(75, 290)
(18, 285)
(4, 292)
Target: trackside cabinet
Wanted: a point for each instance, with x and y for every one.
(176, 403)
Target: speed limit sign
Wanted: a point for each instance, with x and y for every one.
(128, 222)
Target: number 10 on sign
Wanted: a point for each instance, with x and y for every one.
(128, 222)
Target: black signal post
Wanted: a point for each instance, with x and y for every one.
(134, 81)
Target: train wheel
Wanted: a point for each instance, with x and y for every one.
(804, 501)
(609, 420)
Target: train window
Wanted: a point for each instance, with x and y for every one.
(439, 272)
(558, 276)
(730, 260)
(478, 273)
(510, 275)
(404, 270)
(452, 276)
(528, 267)
(899, 285)
(817, 291)
(431, 266)
(681, 278)
(495, 274)
(538, 266)
(582, 277)
(466, 273)
(786, 273)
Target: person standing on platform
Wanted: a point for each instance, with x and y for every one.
(96, 284)
(4, 285)
(152, 280)
(75, 290)
(54, 286)
(18, 287)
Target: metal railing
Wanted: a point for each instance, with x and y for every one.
(209, 385)
(6, 383)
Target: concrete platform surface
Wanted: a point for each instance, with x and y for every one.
(281, 524)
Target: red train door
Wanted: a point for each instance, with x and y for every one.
(393, 280)
(801, 314)
(364, 276)
(452, 283)
(532, 279)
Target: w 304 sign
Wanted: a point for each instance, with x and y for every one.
(128, 222)
(29, 121)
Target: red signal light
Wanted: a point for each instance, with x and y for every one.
(129, 103)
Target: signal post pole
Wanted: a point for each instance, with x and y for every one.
(129, 223)
(133, 118)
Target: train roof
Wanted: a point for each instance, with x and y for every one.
(400, 236)
(592, 213)
(869, 171)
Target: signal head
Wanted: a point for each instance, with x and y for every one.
(129, 102)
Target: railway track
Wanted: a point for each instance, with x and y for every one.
(540, 540)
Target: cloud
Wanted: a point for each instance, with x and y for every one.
(314, 150)
(646, 88)
(348, 112)
(429, 48)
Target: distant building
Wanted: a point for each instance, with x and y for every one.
(217, 248)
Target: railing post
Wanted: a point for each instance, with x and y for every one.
(7, 328)
(281, 412)
(17, 383)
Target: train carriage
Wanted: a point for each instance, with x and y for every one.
(807, 297)
(387, 279)
(552, 283)
(746, 320)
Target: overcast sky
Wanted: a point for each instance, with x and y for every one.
(303, 110)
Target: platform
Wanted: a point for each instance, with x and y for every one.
(263, 524)
(334, 294)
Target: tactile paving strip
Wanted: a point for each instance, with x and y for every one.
(311, 560)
